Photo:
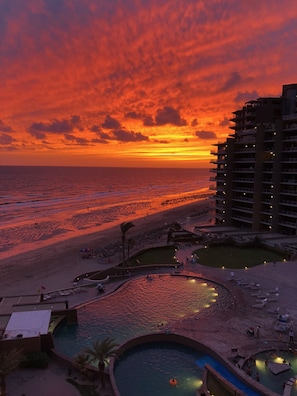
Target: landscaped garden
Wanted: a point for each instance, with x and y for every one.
(234, 257)
(154, 256)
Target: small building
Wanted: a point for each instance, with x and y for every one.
(29, 331)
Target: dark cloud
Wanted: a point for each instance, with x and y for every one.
(125, 136)
(104, 135)
(100, 141)
(232, 81)
(4, 127)
(95, 128)
(205, 135)
(82, 141)
(133, 115)
(69, 136)
(243, 97)
(224, 122)
(148, 121)
(76, 122)
(161, 141)
(77, 140)
(194, 122)
(6, 139)
(37, 134)
(111, 123)
(121, 135)
(39, 129)
(169, 115)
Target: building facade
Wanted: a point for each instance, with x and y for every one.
(256, 167)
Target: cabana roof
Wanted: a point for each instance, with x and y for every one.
(28, 324)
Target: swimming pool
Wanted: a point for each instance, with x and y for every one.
(142, 305)
(272, 381)
(146, 370)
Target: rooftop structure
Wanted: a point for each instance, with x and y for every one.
(28, 324)
(256, 167)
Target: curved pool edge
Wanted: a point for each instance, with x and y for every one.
(166, 272)
(167, 337)
(189, 342)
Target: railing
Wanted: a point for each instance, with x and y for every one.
(291, 203)
(290, 117)
(244, 180)
(290, 192)
(289, 181)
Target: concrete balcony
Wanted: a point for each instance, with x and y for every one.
(290, 117)
(288, 203)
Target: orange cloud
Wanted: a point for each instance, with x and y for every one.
(123, 82)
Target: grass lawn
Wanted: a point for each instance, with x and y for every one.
(234, 257)
(159, 255)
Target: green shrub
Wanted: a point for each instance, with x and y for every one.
(35, 360)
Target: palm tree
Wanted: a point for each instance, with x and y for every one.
(9, 361)
(101, 351)
(81, 362)
(125, 227)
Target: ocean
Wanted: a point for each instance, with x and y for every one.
(43, 203)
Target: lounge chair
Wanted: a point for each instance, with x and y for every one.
(275, 290)
(254, 286)
(274, 310)
(273, 298)
(284, 317)
(282, 327)
(260, 304)
(241, 282)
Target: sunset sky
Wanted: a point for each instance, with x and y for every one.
(135, 82)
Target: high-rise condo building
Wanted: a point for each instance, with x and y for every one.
(256, 167)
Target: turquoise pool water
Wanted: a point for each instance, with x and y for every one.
(266, 377)
(147, 369)
(140, 306)
(143, 306)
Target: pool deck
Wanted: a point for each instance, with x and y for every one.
(224, 331)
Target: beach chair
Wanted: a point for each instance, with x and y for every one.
(273, 298)
(273, 310)
(260, 304)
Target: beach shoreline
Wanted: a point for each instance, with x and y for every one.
(55, 265)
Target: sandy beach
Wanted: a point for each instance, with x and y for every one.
(53, 264)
